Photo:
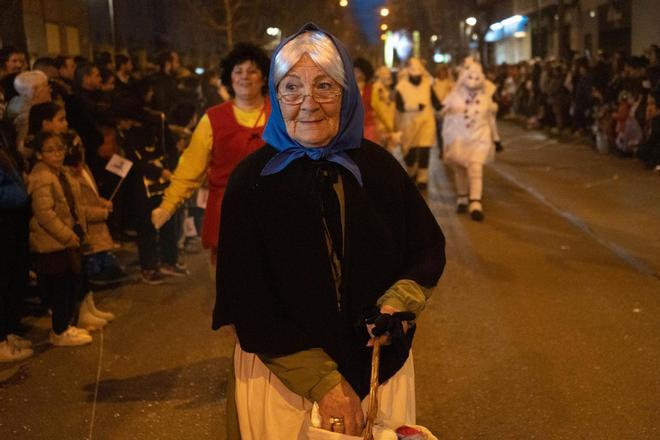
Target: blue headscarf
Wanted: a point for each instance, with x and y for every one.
(351, 119)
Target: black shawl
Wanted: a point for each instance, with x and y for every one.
(274, 278)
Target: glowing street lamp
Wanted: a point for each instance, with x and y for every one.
(383, 27)
(273, 31)
(384, 12)
(470, 21)
(383, 37)
(343, 3)
(434, 38)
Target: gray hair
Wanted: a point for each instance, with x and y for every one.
(25, 83)
(320, 49)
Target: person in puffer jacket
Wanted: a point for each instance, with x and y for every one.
(57, 231)
(98, 263)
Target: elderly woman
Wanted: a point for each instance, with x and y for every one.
(225, 134)
(320, 230)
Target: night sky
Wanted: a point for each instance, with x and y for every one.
(367, 14)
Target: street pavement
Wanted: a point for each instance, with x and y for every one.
(544, 325)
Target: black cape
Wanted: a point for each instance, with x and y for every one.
(274, 277)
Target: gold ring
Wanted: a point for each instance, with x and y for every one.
(337, 424)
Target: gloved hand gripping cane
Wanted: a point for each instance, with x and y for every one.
(391, 324)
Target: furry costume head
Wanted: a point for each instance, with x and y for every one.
(416, 71)
(472, 77)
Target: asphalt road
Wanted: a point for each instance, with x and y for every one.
(545, 324)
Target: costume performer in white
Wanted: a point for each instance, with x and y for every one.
(469, 133)
(415, 102)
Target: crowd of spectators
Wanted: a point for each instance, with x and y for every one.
(62, 211)
(612, 100)
(63, 119)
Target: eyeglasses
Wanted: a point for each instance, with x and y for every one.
(320, 96)
(54, 150)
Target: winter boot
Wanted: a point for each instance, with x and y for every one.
(88, 320)
(89, 299)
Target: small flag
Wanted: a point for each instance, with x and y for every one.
(119, 165)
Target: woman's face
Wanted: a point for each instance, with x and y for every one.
(52, 153)
(310, 123)
(247, 80)
(56, 125)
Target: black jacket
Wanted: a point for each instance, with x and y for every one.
(274, 279)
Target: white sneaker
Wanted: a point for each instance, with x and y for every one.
(89, 299)
(11, 353)
(70, 337)
(87, 319)
(19, 342)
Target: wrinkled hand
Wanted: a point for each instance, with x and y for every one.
(341, 401)
(159, 217)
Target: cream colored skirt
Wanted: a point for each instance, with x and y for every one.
(267, 409)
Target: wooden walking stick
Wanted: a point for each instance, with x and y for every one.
(368, 433)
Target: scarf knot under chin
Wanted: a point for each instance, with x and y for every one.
(282, 159)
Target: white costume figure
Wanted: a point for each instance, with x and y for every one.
(415, 102)
(469, 133)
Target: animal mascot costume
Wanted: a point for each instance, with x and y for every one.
(469, 134)
(415, 102)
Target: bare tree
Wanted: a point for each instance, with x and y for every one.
(247, 20)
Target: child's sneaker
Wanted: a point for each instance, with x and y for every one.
(71, 337)
(12, 353)
(153, 277)
(19, 342)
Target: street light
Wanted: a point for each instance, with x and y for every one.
(470, 21)
(343, 3)
(273, 31)
(383, 27)
(384, 12)
(434, 38)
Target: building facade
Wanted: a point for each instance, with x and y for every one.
(46, 27)
(522, 29)
(85, 27)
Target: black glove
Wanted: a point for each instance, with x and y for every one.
(400, 341)
(392, 324)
